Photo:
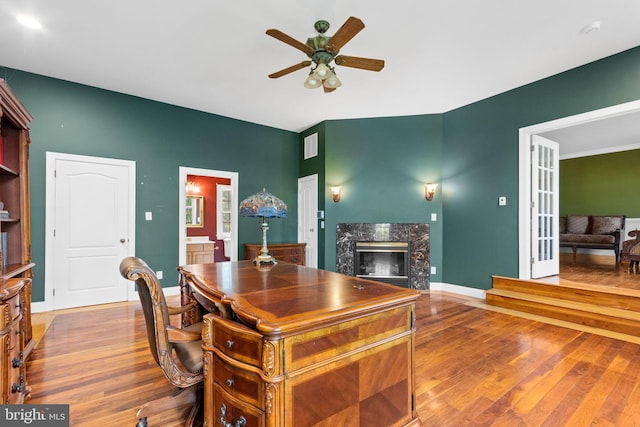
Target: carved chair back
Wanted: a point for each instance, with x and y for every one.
(177, 358)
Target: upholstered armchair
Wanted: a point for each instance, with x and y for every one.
(631, 251)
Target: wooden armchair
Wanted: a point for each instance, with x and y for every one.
(178, 352)
(631, 251)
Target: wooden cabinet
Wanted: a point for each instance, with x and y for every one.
(13, 323)
(286, 252)
(200, 253)
(15, 231)
(298, 346)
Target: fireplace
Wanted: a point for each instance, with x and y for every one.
(383, 261)
(413, 258)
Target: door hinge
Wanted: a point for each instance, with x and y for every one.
(54, 292)
(532, 148)
(533, 260)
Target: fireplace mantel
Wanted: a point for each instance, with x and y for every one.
(347, 234)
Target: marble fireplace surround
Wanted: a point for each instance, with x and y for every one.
(347, 234)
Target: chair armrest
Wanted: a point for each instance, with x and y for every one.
(180, 335)
(181, 308)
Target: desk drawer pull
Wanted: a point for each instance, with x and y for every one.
(229, 383)
(223, 411)
(229, 344)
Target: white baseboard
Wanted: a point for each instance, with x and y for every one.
(38, 307)
(173, 290)
(457, 289)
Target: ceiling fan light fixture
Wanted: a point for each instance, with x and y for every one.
(332, 81)
(322, 71)
(312, 82)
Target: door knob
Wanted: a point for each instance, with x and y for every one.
(123, 240)
(311, 230)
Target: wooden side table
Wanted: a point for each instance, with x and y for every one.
(285, 252)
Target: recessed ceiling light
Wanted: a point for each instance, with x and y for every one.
(30, 22)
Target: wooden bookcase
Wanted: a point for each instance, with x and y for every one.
(15, 254)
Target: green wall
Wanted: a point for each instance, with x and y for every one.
(480, 161)
(77, 119)
(382, 165)
(605, 184)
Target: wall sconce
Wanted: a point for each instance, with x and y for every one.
(430, 191)
(192, 187)
(335, 193)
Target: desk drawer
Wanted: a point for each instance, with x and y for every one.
(236, 341)
(9, 311)
(243, 384)
(231, 411)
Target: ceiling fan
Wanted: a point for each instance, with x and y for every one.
(323, 50)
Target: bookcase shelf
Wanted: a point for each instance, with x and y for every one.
(15, 233)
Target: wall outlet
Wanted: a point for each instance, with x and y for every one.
(502, 201)
(434, 217)
(148, 216)
(159, 274)
(433, 270)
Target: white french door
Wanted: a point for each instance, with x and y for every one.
(545, 202)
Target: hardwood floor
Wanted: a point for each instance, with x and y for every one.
(597, 270)
(474, 367)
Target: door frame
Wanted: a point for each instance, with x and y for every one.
(182, 194)
(525, 135)
(51, 158)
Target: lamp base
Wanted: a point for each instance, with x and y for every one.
(264, 259)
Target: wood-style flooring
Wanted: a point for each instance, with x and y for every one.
(474, 367)
(596, 270)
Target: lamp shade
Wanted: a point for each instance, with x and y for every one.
(263, 204)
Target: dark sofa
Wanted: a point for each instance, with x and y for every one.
(592, 232)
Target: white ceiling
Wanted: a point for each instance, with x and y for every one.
(214, 56)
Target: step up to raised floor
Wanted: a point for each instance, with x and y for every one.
(615, 310)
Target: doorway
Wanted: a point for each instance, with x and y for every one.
(227, 210)
(90, 228)
(526, 135)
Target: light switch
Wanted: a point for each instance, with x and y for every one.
(434, 216)
(148, 216)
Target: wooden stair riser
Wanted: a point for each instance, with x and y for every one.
(578, 316)
(625, 301)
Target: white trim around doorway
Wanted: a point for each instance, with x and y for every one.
(524, 167)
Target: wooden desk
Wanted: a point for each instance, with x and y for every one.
(296, 346)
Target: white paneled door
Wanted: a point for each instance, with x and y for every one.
(92, 229)
(308, 218)
(544, 207)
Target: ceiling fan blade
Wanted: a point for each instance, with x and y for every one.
(291, 69)
(349, 29)
(277, 34)
(362, 63)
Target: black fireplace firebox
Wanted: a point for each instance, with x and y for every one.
(383, 261)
